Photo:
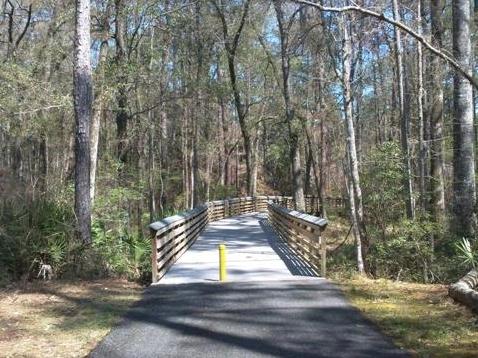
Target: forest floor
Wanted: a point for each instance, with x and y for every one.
(419, 317)
(61, 319)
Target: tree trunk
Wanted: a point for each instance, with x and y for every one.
(96, 119)
(255, 167)
(464, 193)
(241, 114)
(353, 219)
(44, 160)
(292, 125)
(151, 147)
(322, 162)
(122, 95)
(297, 176)
(355, 190)
(195, 179)
(237, 171)
(317, 178)
(421, 116)
(308, 167)
(83, 98)
(437, 202)
(464, 291)
(404, 117)
(223, 128)
(197, 110)
(185, 156)
(209, 167)
(231, 44)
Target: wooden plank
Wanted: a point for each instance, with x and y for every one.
(309, 220)
(154, 258)
(180, 242)
(164, 238)
(169, 253)
(301, 233)
(178, 238)
(298, 241)
(166, 224)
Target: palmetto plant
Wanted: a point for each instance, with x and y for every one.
(467, 253)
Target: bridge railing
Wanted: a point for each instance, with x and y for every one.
(172, 236)
(303, 233)
(221, 209)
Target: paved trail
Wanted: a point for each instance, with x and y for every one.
(273, 306)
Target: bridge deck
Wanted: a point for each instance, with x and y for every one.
(254, 253)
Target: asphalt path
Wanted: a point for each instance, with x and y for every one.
(298, 318)
(274, 305)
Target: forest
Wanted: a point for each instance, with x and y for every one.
(116, 113)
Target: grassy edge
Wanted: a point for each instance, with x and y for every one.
(419, 318)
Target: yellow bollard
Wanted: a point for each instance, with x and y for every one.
(222, 263)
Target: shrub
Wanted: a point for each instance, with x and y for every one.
(121, 246)
(404, 253)
(35, 232)
(122, 254)
(400, 248)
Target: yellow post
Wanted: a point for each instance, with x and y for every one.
(222, 263)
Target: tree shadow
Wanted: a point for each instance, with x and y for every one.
(307, 318)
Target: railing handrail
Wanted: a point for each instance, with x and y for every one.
(164, 224)
(310, 220)
(303, 233)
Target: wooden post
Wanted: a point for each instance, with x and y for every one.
(154, 257)
(323, 256)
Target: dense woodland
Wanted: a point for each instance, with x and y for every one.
(115, 113)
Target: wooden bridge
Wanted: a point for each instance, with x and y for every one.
(273, 305)
(275, 242)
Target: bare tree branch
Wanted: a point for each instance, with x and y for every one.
(400, 25)
(27, 24)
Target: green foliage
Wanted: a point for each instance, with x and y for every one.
(23, 93)
(42, 230)
(342, 263)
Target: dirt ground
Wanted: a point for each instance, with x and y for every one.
(61, 319)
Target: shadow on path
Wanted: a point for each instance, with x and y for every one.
(304, 318)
